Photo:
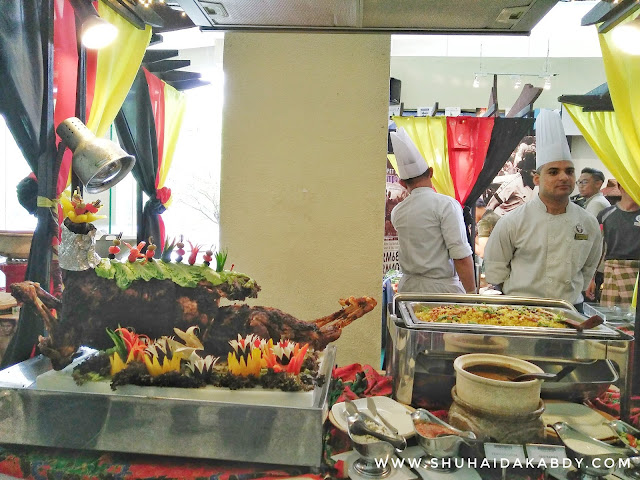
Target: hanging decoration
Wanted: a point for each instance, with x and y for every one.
(465, 152)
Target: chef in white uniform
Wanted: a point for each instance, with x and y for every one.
(434, 254)
(548, 247)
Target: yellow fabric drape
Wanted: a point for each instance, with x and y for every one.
(430, 136)
(116, 69)
(174, 107)
(623, 74)
(623, 77)
(600, 130)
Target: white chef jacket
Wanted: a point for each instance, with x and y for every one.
(536, 254)
(596, 203)
(431, 233)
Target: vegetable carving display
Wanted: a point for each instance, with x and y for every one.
(167, 361)
(194, 253)
(134, 252)
(115, 248)
(77, 211)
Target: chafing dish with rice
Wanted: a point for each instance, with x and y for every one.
(413, 342)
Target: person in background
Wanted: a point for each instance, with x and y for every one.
(549, 247)
(7, 329)
(589, 185)
(611, 192)
(621, 234)
(593, 201)
(484, 228)
(513, 193)
(481, 207)
(434, 254)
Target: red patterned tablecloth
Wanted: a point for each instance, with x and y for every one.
(57, 464)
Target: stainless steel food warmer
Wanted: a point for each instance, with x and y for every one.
(161, 425)
(413, 343)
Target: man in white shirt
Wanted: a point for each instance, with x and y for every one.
(434, 254)
(589, 185)
(548, 247)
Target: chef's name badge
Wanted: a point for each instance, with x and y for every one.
(580, 235)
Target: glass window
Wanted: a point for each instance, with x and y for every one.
(194, 178)
(13, 168)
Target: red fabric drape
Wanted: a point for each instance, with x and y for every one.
(65, 72)
(156, 93)
(91, 67)
(467, 144)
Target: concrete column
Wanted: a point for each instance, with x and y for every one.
(303, 173)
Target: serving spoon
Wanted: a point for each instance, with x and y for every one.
(371, 406)
(591, 322)
(549, 377)
(357, 426)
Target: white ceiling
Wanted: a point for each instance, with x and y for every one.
(559, 30)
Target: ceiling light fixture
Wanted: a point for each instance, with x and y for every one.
(148, 3)
(95, 32)
(518, 82)
(516, 77)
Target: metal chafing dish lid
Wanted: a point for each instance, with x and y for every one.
(404, 308)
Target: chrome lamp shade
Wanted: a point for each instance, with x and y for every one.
(98, 162)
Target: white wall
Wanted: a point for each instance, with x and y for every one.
(303, 173)
(449, 80)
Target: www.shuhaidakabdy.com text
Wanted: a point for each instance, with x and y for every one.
(609, 463)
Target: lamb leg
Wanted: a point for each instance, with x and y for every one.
(353, 309)
(30, 293)
(25, 289)
(332, 325)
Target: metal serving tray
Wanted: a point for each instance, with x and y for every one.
(616, 316)
(407, 308)
(159, 425)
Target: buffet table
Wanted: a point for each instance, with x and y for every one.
(351, 382)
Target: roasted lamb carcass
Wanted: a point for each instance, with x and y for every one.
(268, 322)
(91, 304)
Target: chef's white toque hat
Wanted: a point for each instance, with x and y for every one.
(551, 142)
(410, 163)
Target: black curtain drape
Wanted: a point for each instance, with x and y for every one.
(136, 130)
(505, 136)
(26, 102)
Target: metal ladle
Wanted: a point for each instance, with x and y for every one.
(549, 377)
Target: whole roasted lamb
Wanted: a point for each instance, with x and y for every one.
(90, 304)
